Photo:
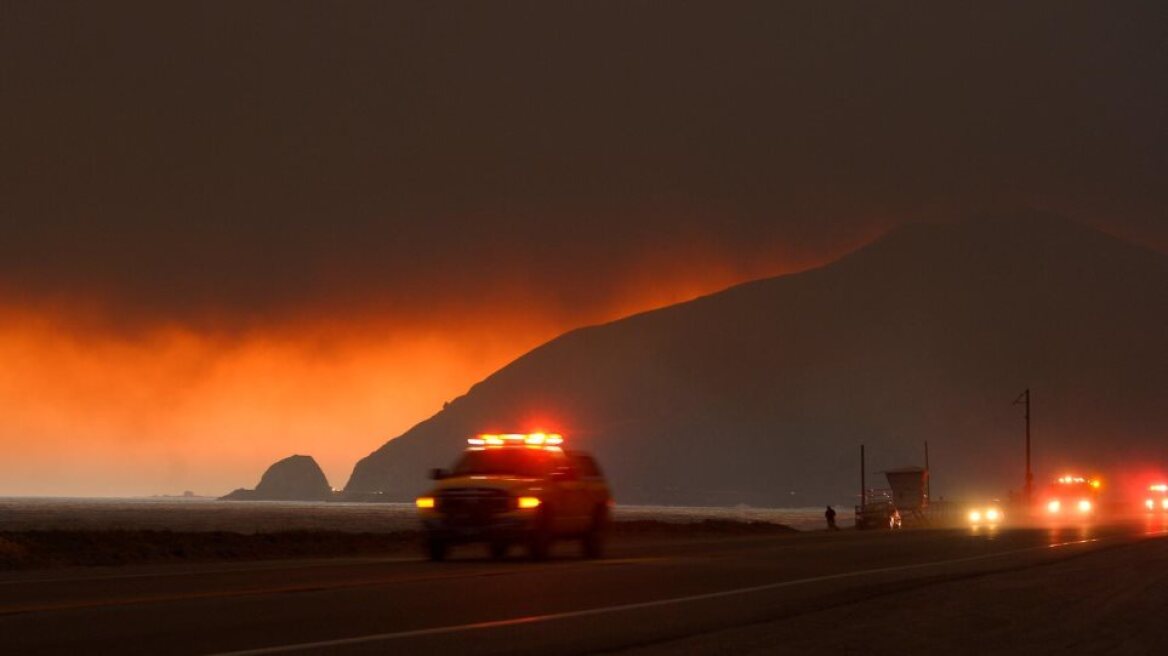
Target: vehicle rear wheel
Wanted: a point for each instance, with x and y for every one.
(593, 541)
(436, 549)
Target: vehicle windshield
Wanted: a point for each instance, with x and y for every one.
(534, 463)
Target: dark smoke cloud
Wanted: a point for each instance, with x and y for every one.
(252, 159)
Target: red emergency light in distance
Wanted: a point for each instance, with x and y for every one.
(1079, 480)
(1070, 497)
(1158, 490)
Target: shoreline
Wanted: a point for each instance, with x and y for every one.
(198, 515)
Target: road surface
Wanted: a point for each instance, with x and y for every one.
(846, 590)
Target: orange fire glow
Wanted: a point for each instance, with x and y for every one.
(174, 410)
(166, 408)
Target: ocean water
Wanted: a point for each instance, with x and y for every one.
(196, 514)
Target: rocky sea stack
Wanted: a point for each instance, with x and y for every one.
(295, 478)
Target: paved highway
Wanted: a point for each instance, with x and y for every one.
(647, 592)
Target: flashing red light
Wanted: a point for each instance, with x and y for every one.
(546, 440)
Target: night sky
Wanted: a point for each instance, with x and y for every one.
(234, 231)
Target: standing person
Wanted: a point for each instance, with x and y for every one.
(830, 515)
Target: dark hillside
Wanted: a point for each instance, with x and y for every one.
(761, 394)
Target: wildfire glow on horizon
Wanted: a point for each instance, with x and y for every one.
(92, 409)
(233, 234)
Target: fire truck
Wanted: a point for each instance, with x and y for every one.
(1071, 498)
(1157, 500)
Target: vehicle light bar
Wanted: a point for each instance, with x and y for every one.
(1079, 480)
(517, 439)
(1159, 487)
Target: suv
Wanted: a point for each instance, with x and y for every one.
(516, 489)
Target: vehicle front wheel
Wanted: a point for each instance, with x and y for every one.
(436, 549)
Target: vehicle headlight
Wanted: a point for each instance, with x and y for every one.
(424, 502)
(993, 514)
(1150, 505)
(1053, 506)
(1084, 506)
(527, 503)
(1164, 504)
(975, 516)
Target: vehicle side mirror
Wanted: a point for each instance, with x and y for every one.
(439, 474)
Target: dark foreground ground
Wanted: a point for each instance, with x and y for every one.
(1098, 589)
(1103, 601)
(92, 548)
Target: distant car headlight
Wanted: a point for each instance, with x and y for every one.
(424, 502)
(1150, 505)
(1084, 506)
(1054, 506)
(1164, 504)
(975, 516)
(993, 514)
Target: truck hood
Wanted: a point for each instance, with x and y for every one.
(505, 483)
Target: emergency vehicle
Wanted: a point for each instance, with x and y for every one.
(1071, 497)
(1157, 500)
(516, 488)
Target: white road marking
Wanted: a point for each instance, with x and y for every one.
(604, 610)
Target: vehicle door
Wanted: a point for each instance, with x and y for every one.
(596, 493)
(572, 496)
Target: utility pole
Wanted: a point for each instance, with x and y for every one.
(1025, 397)
(863, 483)
(928, 476)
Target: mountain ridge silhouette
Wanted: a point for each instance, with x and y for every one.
(762, 393)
